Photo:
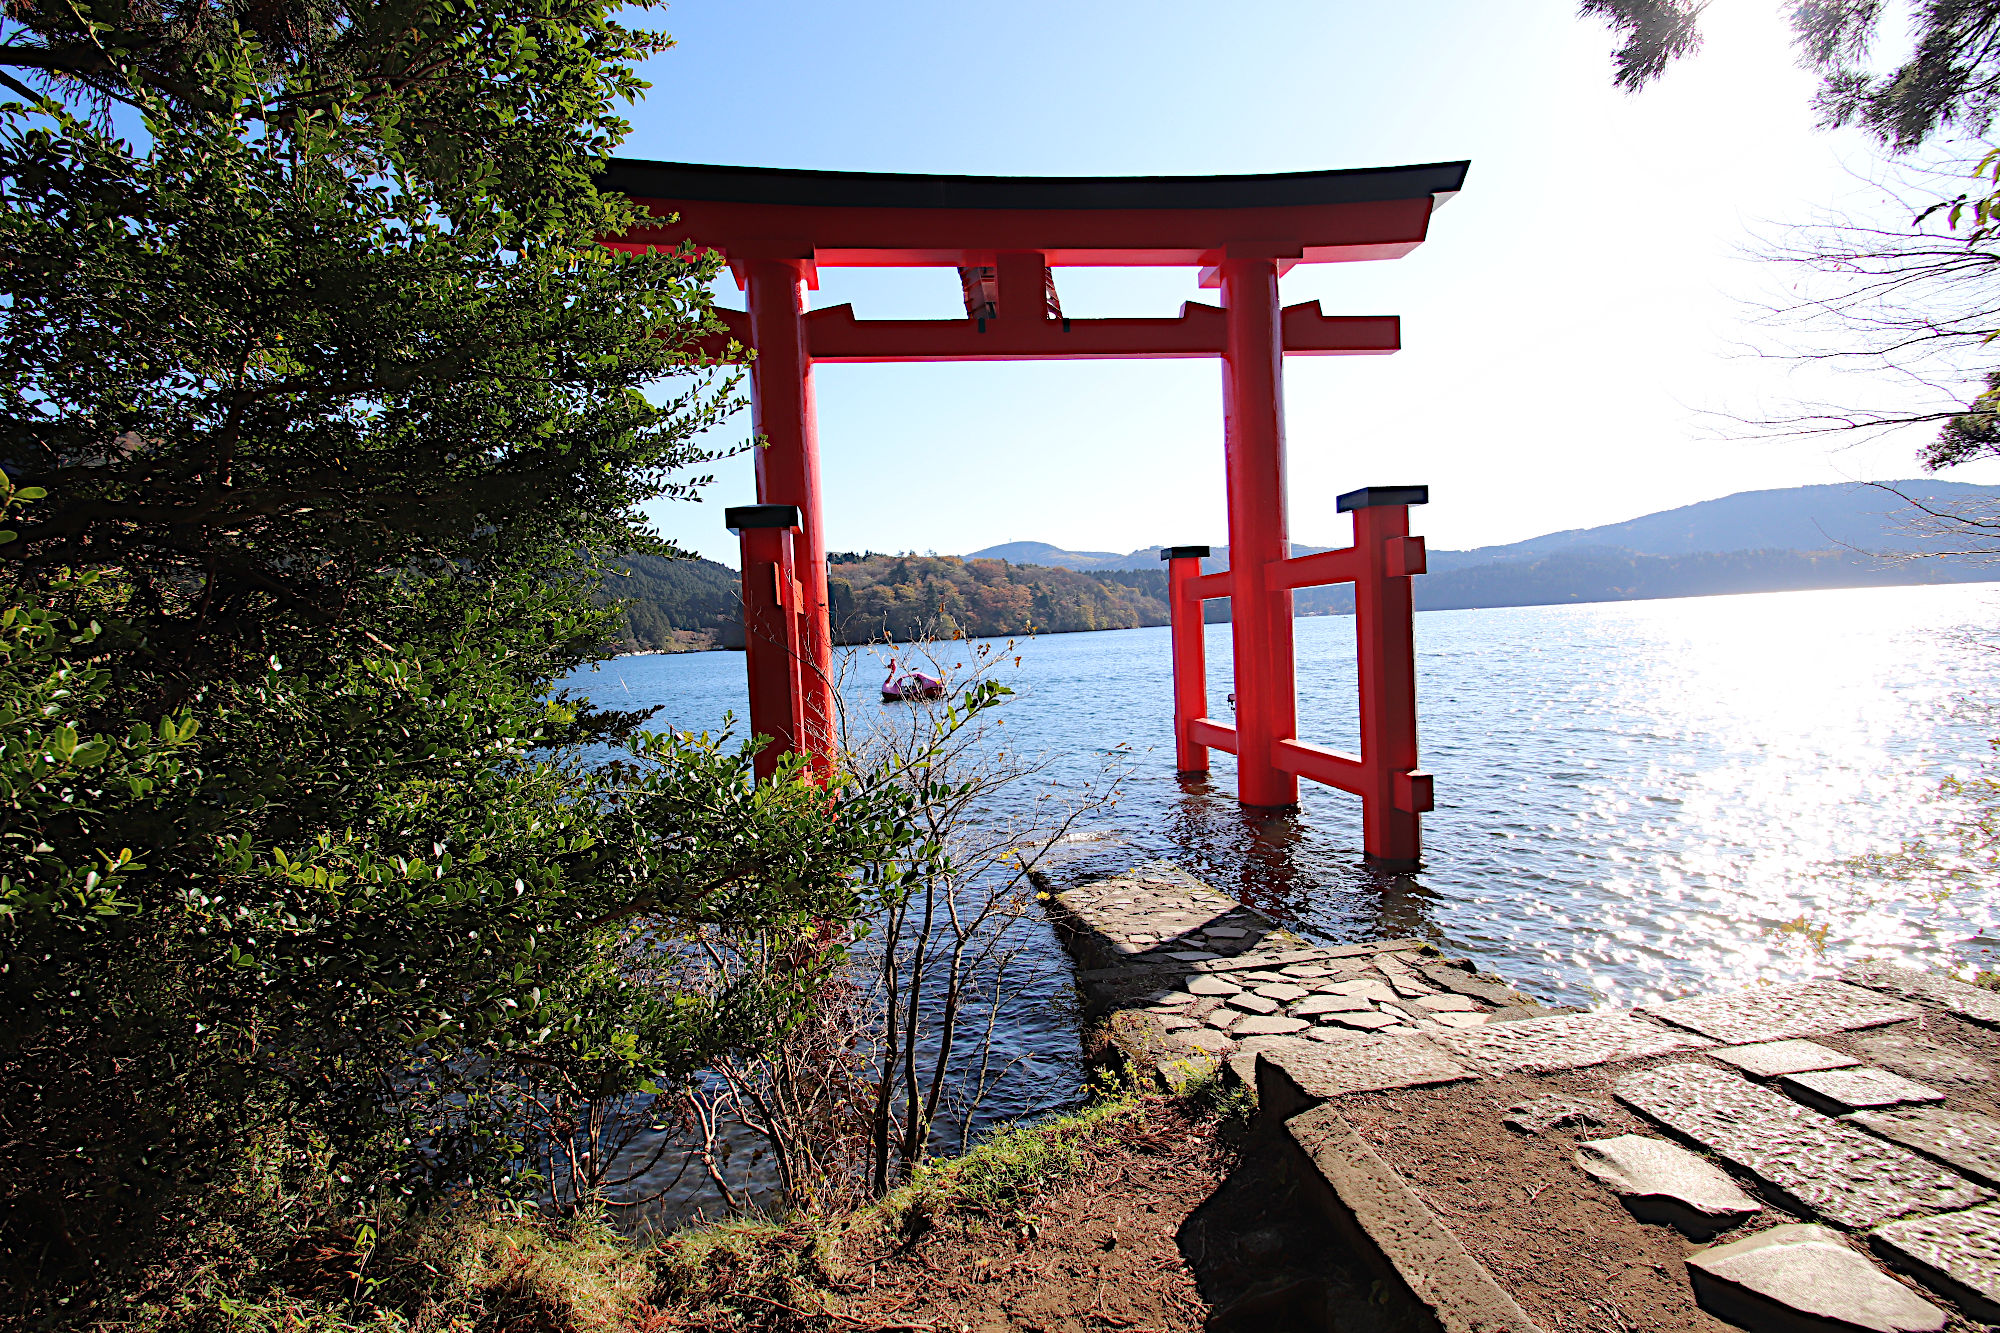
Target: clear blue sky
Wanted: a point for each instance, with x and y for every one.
(1571, 329)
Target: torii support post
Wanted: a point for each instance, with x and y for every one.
(1253, 415)
(1385, 635)
(772, 626)
(1190, 656)
(785, 415)
(1394, 792)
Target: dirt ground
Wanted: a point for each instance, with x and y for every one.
(1165, 1228)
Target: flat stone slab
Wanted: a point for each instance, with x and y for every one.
(1848, 1177)
(1838, 1091)
(1364, 1192)
(1250, 1003)
(1566, 1041)
(1949, 993)
(1449, 1004)
(1458, 1020)
(1802, 1010)
(1209, 985)
(1302, 1073)
(1369, 990)
(1664, 1182)
(1964, 1140)
(1333, 1004)
(1284, 992)
(1771, 1059)
(1368, 1021)
(1957, 1255)
(1925, 1061)
(1268, 1025)
(1806, 1272)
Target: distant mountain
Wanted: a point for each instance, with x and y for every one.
(1055, 557)
(1798, 518)
(1849, 516)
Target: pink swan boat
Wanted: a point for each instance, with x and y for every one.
(910, 685)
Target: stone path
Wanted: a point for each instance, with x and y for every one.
(1839, 1140)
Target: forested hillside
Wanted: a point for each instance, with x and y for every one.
(674, 606)
(688, 605)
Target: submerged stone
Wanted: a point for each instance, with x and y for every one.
(1663, 1182)
(1809, 1274)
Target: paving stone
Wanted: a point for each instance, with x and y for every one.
(1566, 1041)
(1272, 1025)
(1284, 992)
(1802, 1010)
(1211, 1040)
(1166, 999)
(1448, 1004)
(1332, 1004)
(1191, 955)
(1306, 972)
(1308, 1072)
(1769, 1059)
(1374, 990)
(1206, 985)
(1848, 1177)
(1925, 1061)
(1367, 1021)
(1664, 1182)
(1459, 1020)
(1226, 932)
(1252, 1004)
(1175, 1022)
(1956, 1255)
(1967, 1001)
(1965, 1140)
(1838, 1091)
(1806, 1272)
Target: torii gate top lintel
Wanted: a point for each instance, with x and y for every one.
(876, 220)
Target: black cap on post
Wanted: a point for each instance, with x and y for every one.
(1183, 552)
(1368, 497)
(761, 516)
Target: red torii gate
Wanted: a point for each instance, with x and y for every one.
(777, 228)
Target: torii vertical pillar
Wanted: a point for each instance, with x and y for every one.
(784, 414)
(1253, 409)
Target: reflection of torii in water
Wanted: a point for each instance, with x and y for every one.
(910, 685)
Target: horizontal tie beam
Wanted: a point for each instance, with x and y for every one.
(834, 336)
(1207, 731)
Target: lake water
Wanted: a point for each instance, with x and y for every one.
(1633, 799)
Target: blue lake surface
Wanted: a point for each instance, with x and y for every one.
(1633, 799)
